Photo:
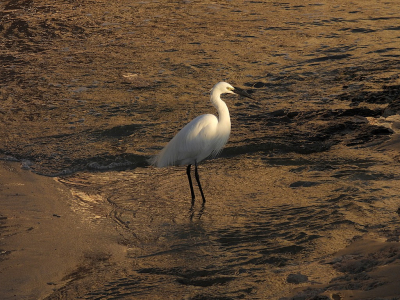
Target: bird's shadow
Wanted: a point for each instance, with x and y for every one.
(197, 216)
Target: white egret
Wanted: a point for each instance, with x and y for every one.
(204, 136)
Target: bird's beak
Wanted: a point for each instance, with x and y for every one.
(242, 92)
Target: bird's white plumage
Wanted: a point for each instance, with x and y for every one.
(204, 136)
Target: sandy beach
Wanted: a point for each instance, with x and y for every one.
(302, 203)
(44, 242)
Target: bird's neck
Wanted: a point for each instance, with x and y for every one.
(222, 108)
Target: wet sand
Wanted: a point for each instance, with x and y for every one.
(301, 204)
(43, 240)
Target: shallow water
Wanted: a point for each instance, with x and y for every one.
(290, 213)
(306, 169)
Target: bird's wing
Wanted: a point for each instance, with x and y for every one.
(192, 143)
(199, 134)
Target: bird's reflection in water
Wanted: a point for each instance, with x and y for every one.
(192, 212)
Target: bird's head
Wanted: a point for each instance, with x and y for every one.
(226, 88)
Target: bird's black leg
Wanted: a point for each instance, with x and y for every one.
(196, 173)
(190, 182)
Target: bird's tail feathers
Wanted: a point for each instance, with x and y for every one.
(153, 160)
(163, 159)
